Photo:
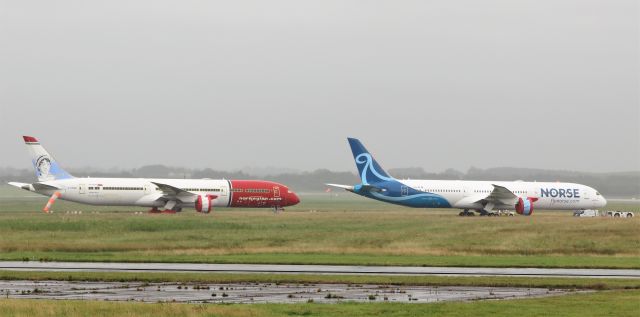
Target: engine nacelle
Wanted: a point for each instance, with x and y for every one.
(525, 206)
(203, 203)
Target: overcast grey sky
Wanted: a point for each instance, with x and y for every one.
(228, 84)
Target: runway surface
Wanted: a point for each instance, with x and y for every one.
(313, 269)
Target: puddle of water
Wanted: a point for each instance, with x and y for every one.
(259, 292)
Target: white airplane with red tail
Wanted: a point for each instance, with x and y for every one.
(161, 195)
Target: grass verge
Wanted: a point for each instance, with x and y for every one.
(619, 262)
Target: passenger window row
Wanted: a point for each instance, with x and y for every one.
(202, 189)
(443, 190)
(120, 188)
(488, 191)
(252, 190)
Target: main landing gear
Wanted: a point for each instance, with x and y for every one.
(277, 209)
(482, 212)
(466, 213)
(155, 210)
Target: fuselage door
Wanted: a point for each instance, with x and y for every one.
(82, 188)
(404, 190)
(585, 193)
(468, 190)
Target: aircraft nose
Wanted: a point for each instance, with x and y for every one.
(603, 202)
(292, 198)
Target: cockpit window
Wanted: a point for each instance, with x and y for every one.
(598, 194)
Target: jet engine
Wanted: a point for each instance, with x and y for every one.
(524, 206)
(203, 203)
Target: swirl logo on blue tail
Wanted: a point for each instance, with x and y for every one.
(365, 158)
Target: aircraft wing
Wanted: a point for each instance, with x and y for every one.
(171, 193)
(499, 196)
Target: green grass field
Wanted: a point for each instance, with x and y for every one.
(325, 230)
(321, 230)
(607, 303)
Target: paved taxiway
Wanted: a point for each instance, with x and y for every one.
(312, 269)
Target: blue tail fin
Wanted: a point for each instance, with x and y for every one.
(370, 171)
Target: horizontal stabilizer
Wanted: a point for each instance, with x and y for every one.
(24, 186)
(42, 186)
(346, 187)
(359, 188)
(34, 186)
(369, 188)
(16, 184)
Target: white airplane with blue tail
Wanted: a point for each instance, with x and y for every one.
(480, 196)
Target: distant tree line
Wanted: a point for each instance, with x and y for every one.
(619, 184)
